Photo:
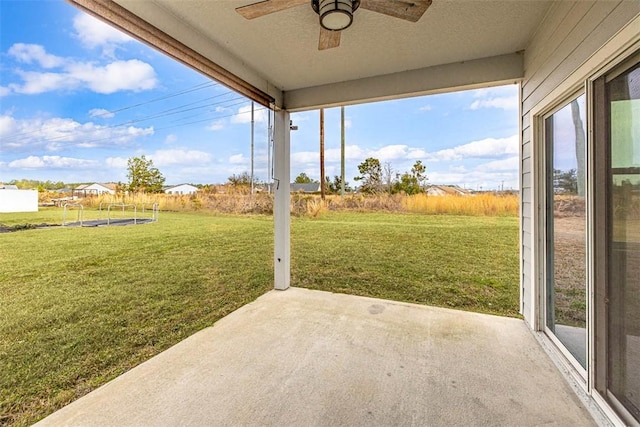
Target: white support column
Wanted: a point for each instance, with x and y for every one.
(281, 203)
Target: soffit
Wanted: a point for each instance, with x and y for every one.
(278, 52)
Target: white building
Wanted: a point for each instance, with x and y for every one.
(181, 189)
(94, 189)
(14, 200)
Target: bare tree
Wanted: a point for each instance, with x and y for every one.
(580, 145)
(387, 176)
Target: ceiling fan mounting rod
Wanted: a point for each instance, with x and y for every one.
(335, 15)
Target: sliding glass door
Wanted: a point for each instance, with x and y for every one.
(618, 121)
(565, 225)
(590, 234)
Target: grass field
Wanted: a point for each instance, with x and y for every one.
(80, 306)
(469, 263)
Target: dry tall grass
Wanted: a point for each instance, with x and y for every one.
(312, 205)
(223, 203)
(486, 204)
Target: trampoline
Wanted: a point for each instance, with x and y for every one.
(114, 222)
(117, 214)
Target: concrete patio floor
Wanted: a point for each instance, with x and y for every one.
(311, 358)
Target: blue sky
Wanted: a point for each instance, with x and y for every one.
(77, 99)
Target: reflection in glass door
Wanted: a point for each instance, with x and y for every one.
(623, 231)
(565, 225)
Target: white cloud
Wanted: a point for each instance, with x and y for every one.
(493, 91)
(115, 76)
(132, 75)
(244, 115)
(95, 33)
(496, 148)
(302, 117)
(510, 103)
(306, 157)
(508, 164)
(426, 108)
(436, 177)
(52, 162)
(238, 159)
(390, 153)
(501, 97)
(52, 134)
(37, 82)
(29, 53)
(180, 157)
(354, 153)
(4, 91)
(116, 162)
(488, 147)
(101, 112)
(8, 126)
(170, 139)
(458, 169)
(216, 125)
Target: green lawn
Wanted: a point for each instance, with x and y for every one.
(469, 263)
(80, 306)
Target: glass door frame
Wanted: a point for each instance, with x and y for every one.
(605, 60)
(599, 127)
(580, 372)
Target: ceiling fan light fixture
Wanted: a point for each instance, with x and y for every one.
(335, 15)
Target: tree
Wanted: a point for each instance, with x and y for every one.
(407, 183)
(387, 177)
(241, 180)
(334, 187)
(303, 178)
(411, 182)
(565, 181)
(26, 184)
(143, 176)
(419, 172)
(578, 126)
(370, 175)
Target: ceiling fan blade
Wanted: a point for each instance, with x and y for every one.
(404, 9)
(328, 39)
(266, 7)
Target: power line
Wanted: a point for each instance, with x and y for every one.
(162, 98)
(165, 113)
(212, 118)
(161, 128)
(129, 107)
(171, 113)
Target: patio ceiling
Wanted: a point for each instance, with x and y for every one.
(456, 44)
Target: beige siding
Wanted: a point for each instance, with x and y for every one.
(570, 33)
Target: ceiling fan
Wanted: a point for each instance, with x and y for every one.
(337, 15)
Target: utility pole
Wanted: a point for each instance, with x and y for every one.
(342, 151)
(322, 187)
(252, 131)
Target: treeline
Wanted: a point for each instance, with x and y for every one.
(29, 184)
(378, 178)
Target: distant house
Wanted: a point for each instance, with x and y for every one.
(94, 189)
(294, 187)
(313, 187)
(181, 189)
(14, 200)
(64, 190)
(447, 190)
